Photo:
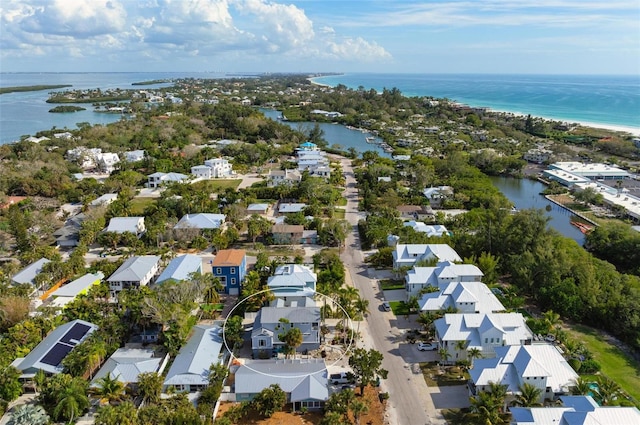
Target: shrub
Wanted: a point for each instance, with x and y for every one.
(575, 364)
(590, 366)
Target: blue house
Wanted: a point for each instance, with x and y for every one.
(230, 266)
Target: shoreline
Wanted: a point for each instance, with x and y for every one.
(633, 131)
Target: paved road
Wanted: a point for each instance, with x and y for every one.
(410, 398)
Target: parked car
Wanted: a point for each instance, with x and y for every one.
(340, 378)
(427, 346)
(386, 306)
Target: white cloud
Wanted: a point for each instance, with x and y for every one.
(77, 18)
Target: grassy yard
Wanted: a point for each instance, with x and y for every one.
(138, 205)
(615, 364)
(342, 202)
(217, 185)
(389, 284)
(399, 308)
(339, 214)
(436, 375)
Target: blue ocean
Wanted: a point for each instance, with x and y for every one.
(599, 100)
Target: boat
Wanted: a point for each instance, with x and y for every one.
(584, 228)
(370, 139)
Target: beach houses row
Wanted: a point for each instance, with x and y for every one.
(212, 169)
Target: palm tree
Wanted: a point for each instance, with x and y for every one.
(498, 392)
(358, 407)
(71, 401)
(109, 389)
(550, 319)
(444, 355)
(29, 414)
(461, 347)
(607, 391)
(529, 396)
(150, 386)
(485, 410)
(582, 386)
(474, 353)
(362, 309)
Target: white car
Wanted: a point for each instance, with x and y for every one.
(427, 346)
(386, 306)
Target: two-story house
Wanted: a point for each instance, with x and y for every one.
(134, 273)
(444, 272)
(458, 333)
(293, 283)
(540, 365)
(465, 297)
(158, 179)
(283, 177)
(406, 255)
(269, 325)
(230, 266)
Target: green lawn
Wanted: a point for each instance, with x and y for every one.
(615, 363)
(389, 284)
(342, 202)
(339, 214)
(435, 375)
(399, 308)
(138, 205)
(217, 184)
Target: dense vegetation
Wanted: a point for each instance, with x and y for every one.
(67, 108)
(32, 88)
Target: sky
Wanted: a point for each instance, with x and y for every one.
(382, 36)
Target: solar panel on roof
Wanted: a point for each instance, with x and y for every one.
(56, 354)
(77, 332)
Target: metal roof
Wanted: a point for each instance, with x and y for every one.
(124, 224)
(191, 365)
(304, 379)
(72, 289)
(180, 268)
(293, 314)
(29, 273)
(201, 221)
(134, 269)
(125, 364)
(48, 355)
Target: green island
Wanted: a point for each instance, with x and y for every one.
(580, 303)
(59, 98)
(67, 108)
(150, 82)
(32, 88)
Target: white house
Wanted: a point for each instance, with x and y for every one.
(436, 195)
(126, 364)
(484, 331)
(29, 273)
(408, 254)
(157, 179)
(434, 230)
(133, 225)
(104, 200)
(286, 177)
(107, 161)
(201, 221)
(443, 273)
(575, 410)
(213, 168)
(134, 156)
(465, 297)
(293, 280)
(540, 365)
(134, 273)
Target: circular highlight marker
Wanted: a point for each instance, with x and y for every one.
(328, 300)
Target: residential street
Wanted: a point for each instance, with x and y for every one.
(410, 398)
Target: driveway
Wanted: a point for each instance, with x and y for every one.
(450, 397)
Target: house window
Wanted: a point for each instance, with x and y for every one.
(233, 270)
(492, 340)
(498, 340)
(233, 280)
(218, 270)
(262, 343)
(486, 340)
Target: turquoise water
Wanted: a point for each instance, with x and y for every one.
(612, 100)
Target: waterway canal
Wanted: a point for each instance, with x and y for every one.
(334, 134)
(525, 194)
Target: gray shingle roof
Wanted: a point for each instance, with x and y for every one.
(293, 314)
